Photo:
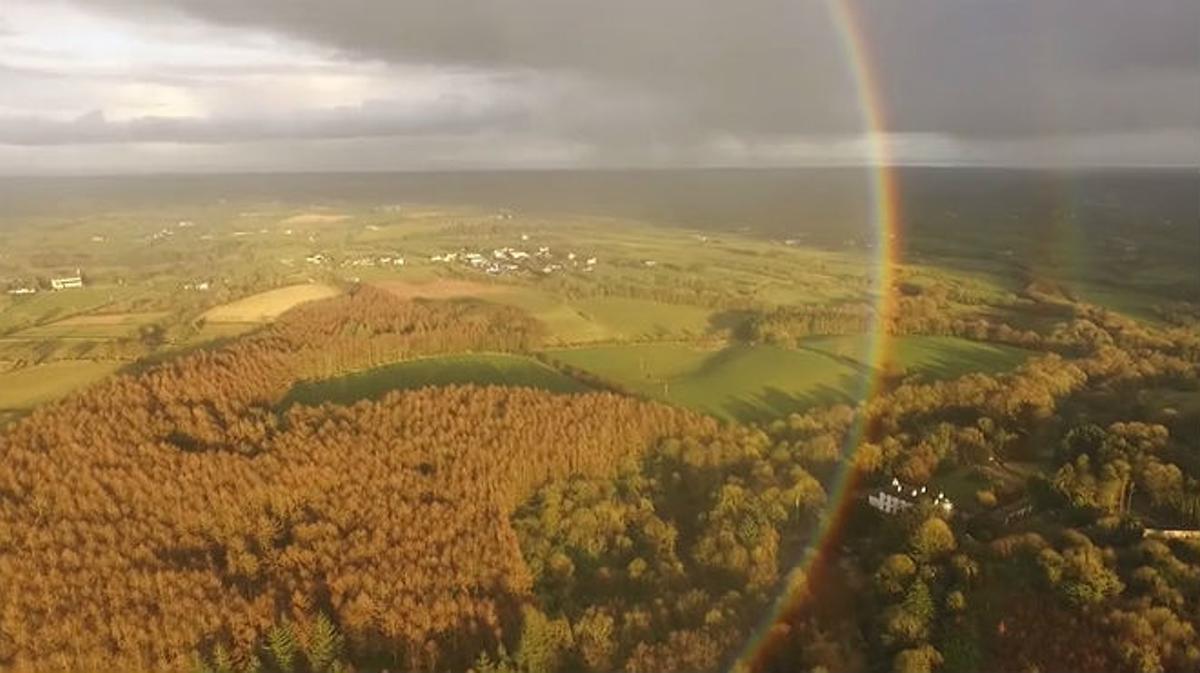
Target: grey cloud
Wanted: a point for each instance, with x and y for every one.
(448, 115)
(973, 68)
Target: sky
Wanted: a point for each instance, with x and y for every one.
(119, 86)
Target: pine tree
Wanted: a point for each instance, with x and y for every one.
(324, 645)
(281, 642)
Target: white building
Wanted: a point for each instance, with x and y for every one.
(67, 282)
(899, 497)
(888, 503)
(23, 290)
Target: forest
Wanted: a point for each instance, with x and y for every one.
(181, 518)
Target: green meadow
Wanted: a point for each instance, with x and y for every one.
(478, 369)
(740, 382)
(755, 382)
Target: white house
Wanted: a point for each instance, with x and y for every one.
(23, 290)
(67, 282)
(888, 503)
(899, 497)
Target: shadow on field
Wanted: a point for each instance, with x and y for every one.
(773, 403)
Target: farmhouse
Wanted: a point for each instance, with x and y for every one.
(899, 497)
(67, 282)
(23, 290)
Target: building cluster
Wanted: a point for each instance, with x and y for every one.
(375, 260)
(322, 259)
(510, 260)
(161, 234)
(899, 496)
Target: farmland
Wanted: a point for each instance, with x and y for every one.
(654, 306)
(656, 302)
(24, 388)
(268, 305)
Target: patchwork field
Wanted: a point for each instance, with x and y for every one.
(47, 307)
(480, 369)
(266, 306)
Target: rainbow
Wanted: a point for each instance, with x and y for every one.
(884, 215)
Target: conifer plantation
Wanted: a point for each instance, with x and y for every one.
(177, 513)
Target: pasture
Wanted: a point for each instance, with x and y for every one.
(477, 369)
(266, 306)
(92, 326)
(24, 388)
(737, 382)
(931, 357)
(756, 382)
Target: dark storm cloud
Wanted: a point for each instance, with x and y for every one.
(972, 68)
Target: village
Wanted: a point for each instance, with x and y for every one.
(505, 260)
(495, 261)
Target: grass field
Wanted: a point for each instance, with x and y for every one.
(931, 356)
(748, 382)
(25, 388)
(94, 326)
(565, 323)
(738, 382)
(266, 306)
(442, 288)
(482, 369)
(645, 319)
(46, 307)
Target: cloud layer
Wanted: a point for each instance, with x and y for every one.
(620, 82)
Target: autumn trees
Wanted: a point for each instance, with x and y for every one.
(178, 513)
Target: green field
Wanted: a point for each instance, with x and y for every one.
(483, 369)
(933, 357)
(27, 387)
(45, 307)
(748, 382)
(737, 382)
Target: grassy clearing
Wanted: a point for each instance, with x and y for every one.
(738, 382)
(757, 382)
(28, 387)
(645, 319)
(266, 306)
(483, 369)
(565, 323)
(931, 356)
(442, 288)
